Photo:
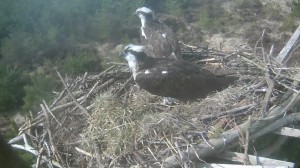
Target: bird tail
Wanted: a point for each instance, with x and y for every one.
(224, 81)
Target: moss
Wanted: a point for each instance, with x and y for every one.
(216, 19)
(289, 24)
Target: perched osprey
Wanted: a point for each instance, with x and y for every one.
(172, 78)
(159, 40)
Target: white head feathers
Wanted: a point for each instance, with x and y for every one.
(144, 9)
(136, 48)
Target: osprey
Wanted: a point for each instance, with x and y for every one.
(159, 40)
(172, 78)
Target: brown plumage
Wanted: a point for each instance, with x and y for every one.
(175, 78)
(159, 40)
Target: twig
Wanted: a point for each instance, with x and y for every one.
(50, 134)
(154, 156)
(83, 152)
(89, 93)
(270, 83)
(28, 148)
(71, 95)
(37, 165)
(123, 87)
(229, 112)
(45, 104)
(189, 46)
(138, 158)
(104, 72)
(31, 125)
(246, 145)
(58, 98)
(82, 83)
(181, 155)
(232, 136)
(252, 62)
(204, 139)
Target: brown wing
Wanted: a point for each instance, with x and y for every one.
(171, 39)
(181, 80)
(161, 41)
(176, 79)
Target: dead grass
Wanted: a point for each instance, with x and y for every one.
(129, 126)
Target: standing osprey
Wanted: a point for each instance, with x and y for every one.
(171, 78)
(160, 41)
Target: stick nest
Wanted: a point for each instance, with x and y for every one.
(125, 125)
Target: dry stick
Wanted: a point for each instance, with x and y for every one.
(292, 52)
(31, 125)
(83, 152)
(138, 157)
(229, 138)
(154, 157)
(49, 111)
(71, 95)
(181, 155)
(270, 83)
(103, 72)
(26, 147)
(205, 140)
(89, 93)
(123, 87)
(251, 62)
(232, 111)
(65, 105)
(59, 123)
(246, 145)
(58, 98)
(283, 56)
(50, 134)
(37, 164)
(84, 78)
(262, 68)
(189, 46)
(112, 80)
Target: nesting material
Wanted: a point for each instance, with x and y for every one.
(128, 126)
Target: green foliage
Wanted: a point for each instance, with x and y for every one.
(272, 13)
(40, 88)
(248, 10)
(11, 88)
(21, 50)
(115, 16)
(6, 23)
(174, 7)
(80, 62)
(214, 18)
(40, 29)
(296, 9)
(289, 24)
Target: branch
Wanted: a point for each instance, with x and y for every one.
(230, 138)
(71, 95)
(283, 56)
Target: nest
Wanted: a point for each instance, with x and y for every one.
(106, 120)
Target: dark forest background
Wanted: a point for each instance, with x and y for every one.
(36, 35)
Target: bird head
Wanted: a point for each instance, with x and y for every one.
(131, 53)
(132, 50)
(144, 13)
